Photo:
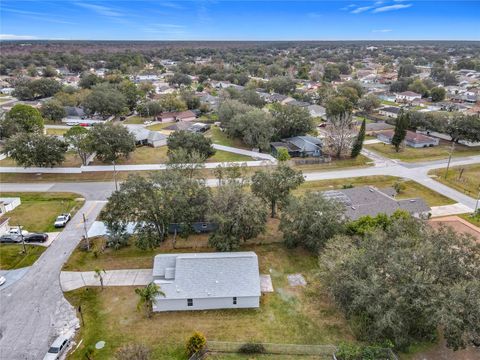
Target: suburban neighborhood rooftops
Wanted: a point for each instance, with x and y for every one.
(141, 134)
(411, 137)
(207, 275)
(304, 143)
(378, 126)
(409, 93)
(392, 109)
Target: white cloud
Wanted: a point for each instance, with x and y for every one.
(361, 9)
(17, 37)
(391, 8)
(99, 9)
(382, 31)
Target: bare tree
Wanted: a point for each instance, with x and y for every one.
(340, 134)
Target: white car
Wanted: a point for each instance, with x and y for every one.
(58, 347)
(16, 231)
(2, 280)
(62, 220)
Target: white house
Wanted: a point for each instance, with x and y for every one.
(144, 136)
(8, 204)
(390, 111)
(317, 111)
(203, 281)
(407, 96)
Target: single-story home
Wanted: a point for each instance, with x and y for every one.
(390, 111)
(371, 128)
(317, 111)
(368, 200)
(144, 136)
(204, 281)
(177, 116)
(407, 96)
(413, 139)
(299, 146)
(187, 126)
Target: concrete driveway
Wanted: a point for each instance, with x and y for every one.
(71, 280)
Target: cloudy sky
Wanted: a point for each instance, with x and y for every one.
(240, 20)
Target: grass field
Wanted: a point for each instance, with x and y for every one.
(137, 120)
(12, 257)
(58, 132)
(289, 315)
(468, 183)
(409, 154)
(38, 211)
(412, 189)
(221, 138)
(161, 126)
(71, 160)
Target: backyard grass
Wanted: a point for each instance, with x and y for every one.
(57, 132)
(289, 315)
(359, 161)
(71, 160)
(468, 183)
(412, 188)
(225, 156)
(38, 211)
(409, 154)
(161, 126)
(137, 120)
(12, 257)
(221, 138)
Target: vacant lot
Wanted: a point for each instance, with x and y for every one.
(38, 211)
(221, 138)
(13, 257)
(71, 160)
(465, 179)
(409, 154)
(290, 315)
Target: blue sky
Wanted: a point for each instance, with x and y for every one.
(240, 20)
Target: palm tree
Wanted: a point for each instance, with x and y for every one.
(147, 297)
(98, 275)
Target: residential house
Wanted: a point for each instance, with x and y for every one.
(412, 139)
(206, 281)
(177, 116)
(8, 204)
(390, 111)
(299, 146)
(317, 111)
(407, 97)
(372, 128)
(147, 137)
(370, 201)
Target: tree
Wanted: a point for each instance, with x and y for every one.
(105, 100)
(283, 155)
(99, 275)
(438, 94)
(36, 89)
(464, 127)
(338, 105)
(195, 343)
(419, 87)
(149, 108)
(358, 144)
(35, 149)
(77, 137)
(340, 134)
(289, 121)
(180, 79)
(255, 128)
(281, 85)
(191, 142)
(331, 73)
(49, 71)
(171, 102)
(406, 70)
(110, 141)
(21, 118)
(400, 131)
(403, 283)
(369, 103)
(311, 220)
(53, 110)
(130, 92)
(191, 100)
(228, 109)
(147, 296)
(133, 352)
(239, 216)
(274, 186)
(251, 97)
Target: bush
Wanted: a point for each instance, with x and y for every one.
(252, 348)
(195, 343)
(361, 352)
(133, 352)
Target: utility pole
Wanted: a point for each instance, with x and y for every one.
(115, 175)
(450, 158)
(23, 239)
(476, 205)
(86, 232)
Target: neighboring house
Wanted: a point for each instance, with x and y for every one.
(8, 204)
(4, 225)
(187, 126)
(212, 101)
(368, 200)
(415, 140)
(177, 116)
(144, 136)
(390, 111)
(407, 96)
(371, 128)
(317, 111)
(74, 111)
(205, 281)
(299, 146)
(297, 103)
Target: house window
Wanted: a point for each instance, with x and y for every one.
(235, 300)
(189, 302)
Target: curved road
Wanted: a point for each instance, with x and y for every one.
(33, 310)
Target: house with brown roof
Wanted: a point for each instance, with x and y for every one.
(412, 139)
(177, 116)
(407, 97)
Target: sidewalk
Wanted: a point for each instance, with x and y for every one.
(453, 209)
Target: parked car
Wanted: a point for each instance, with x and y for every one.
(2, 280)
(36, 237)
(58, 347)
(16, 231)
(10, 239)
(71, 123)
(62, 220)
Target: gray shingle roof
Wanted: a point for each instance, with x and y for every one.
(207, 275)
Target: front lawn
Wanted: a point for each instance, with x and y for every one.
(468, 183)
(409, 154)
(221, 138)
(137, 120)
(287, 316)
(71, 160)
(38, 211)
(359, 161)
(55, 131)
(12, 256)
(225, 156)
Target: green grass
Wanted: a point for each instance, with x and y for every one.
(221, 138)
(71, 160)
(289, 315)
(412, 189)
(389, 103)
(225, 156)
(58, 132)
(38, 211)
(359, 161)
(161, 126)
(409, 154)
(137, 119)
(12, 257)
(473, 219)
(468, 183)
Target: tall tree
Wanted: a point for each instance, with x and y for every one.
(255, 128)
(400, 131)
(340, 133)
(21, 118)
(274, 186)
(105, 100)
(191, 142)
(77, 137)
(290, 121)
(358, 144)
(53, 110)
(110, 141)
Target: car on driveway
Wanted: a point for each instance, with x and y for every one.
(10, 239)
(2, 280)
(58, 347)
(16, 231)
(36, 237)
(62, 220)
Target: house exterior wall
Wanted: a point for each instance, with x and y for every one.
(388, 114)
(434, 142)
(384, 138)
(206, 304)
(158, 143)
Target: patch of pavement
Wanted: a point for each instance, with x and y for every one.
(71, 280)
(266, 285)
(12, 276)
(296, 280)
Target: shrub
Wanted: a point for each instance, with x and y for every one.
(195, 343)
(361, 352)
(133, 352)
(399, 187)
(252, 348)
